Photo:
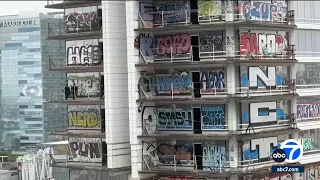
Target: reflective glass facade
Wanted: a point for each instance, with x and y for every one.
(22, 78)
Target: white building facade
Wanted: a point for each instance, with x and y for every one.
(197, 89)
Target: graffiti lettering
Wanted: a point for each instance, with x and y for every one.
(150, 155)
(214, 81)
(87, 85)
(86, 119)
(272, 77)
(166, 154)
(308, 111)
(173, 44)
(174, 12)
(260, 148)
(138, 39)
(175, 154)
(208, 40)
(310, 173)
(81, 22)
(214, 158)
(209, 9)
(177, 119)
(256, 10)
(178, 84)
(83, 151)
(263, 44)
(84, 55)
(213, 117)
(307, 144)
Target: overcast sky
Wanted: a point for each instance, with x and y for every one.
(13, 7)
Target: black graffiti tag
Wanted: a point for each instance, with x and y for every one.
(84, 55)
(84, 149)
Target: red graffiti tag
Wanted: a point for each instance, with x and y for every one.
(180, 44)
(262, 44)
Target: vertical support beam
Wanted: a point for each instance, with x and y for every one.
(135, 121)
(229, 10)
(232, 126)
(115, 81)
(231, 79)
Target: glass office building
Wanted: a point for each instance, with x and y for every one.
(24, 56)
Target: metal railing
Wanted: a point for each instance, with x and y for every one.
(289, 19)
(188, 89)
(259, 128)
(164, 18)
(64, 27)
(307, 54)
(78, 92)
(216, 53)
(69, 161)
(77, 60)
(307, 86)
(183, 17)
(268, 52)
(152, 127)
(210, 18)
(179, 162)
(285, 87)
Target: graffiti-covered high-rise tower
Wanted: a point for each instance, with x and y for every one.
(96, 114)
(215, 88)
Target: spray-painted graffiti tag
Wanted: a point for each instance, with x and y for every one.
(85, 151)
(172, 44)
(308, 111)
(262, 11)
(173, 12)
(213, 117)
(87, 85)
(84, 119)
(81, 22)
(209, 9)
(169, 119)
(84, 55)
(163, 85)
(213, 81)
(210, 41)
(214, 157)
(261, 44)
(167, 154)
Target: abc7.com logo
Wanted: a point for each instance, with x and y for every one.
(290, 151)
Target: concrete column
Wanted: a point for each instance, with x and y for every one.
(232, 126)
(132, 22)
(229, 10)
(231, 79)
(116, 83)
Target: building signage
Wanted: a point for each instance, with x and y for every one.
(17, 23)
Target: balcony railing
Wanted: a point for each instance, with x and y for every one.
(272, 52)
(213, 89)
(179, 91)
(178, 163)
(289, 19)
(79, 93)
(284, 87)
(183, 17)
(64, 28)
(87, 59)
(267, 52)
(164, 18)
(152, 127)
